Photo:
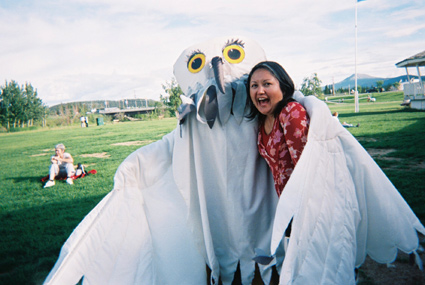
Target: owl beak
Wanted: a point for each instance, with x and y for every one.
(211, 105)
(217, 65)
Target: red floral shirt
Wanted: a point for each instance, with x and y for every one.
(282, 148)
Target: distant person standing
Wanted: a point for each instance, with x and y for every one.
(62, 166)
(83, 121)
(86, 120)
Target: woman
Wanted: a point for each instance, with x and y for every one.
(283, 122)
(61, 166)
(338, 206)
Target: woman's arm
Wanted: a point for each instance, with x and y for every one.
(67, 158)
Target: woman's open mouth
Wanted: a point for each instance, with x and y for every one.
(263, 101)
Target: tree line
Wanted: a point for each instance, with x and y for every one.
(20, 106)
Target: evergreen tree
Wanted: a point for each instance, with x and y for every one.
(20, 105)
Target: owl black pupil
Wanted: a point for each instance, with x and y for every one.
(196, 63)
(234, 54)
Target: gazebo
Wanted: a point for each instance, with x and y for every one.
(414, 92)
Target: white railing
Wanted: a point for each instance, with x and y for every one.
(414, 90)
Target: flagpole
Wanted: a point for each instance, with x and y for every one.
(356, 94)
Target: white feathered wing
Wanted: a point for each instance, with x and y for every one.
(342, 205)
(138, 234)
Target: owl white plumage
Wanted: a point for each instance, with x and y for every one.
(225, 183)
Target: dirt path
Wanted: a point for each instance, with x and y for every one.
(403, 272)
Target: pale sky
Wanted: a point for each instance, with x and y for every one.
(81, 50)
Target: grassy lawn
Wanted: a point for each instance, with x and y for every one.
(35, 222)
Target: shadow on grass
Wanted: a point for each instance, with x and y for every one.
(27, 179)
(349, 115)
(408, 141)
(39, 179)
(26, 260)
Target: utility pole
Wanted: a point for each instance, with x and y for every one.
(356, 93)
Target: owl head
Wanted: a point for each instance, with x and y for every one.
(200, 63)
(211, 73)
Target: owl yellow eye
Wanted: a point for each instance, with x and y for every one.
(196, 62)
(234, 53)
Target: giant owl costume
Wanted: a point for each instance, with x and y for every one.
(203, 196)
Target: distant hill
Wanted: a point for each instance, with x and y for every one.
(367, 81)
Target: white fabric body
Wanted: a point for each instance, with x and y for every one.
(229, 191)
(342, 205)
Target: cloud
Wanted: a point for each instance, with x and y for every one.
(98, 49)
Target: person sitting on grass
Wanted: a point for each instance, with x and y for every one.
(344, 124)
(61, 166)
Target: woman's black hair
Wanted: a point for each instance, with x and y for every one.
(285, 82)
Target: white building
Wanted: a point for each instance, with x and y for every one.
(414, 91)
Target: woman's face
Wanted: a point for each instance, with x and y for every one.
(265, 92)
(59, 152)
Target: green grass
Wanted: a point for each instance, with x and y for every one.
(35, 222)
